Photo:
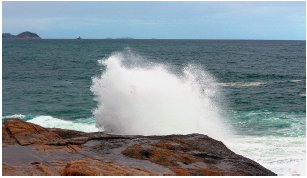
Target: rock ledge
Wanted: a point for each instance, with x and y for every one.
(29, 149)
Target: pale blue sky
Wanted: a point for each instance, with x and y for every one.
(159, 19)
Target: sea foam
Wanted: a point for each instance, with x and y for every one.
(137, 97)
(84, 125)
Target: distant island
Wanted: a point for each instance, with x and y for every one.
(23, 35)
(123, 38)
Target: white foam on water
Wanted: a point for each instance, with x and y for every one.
(51, 122)
(251, 84)
(19, 116)
(147, 99)
(286, 156)
(241, 84)
(296, 80)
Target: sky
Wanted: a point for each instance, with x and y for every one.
(274, 20)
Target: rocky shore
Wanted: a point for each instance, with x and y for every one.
(29, 149)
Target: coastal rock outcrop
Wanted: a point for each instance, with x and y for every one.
(29, 149)
(26, 133)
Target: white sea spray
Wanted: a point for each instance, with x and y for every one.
(135, 97)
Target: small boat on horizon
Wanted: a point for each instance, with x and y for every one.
(79, 38)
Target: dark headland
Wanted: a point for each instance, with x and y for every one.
(23, 35)
(29, 149)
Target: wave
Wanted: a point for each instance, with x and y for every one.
(276, 140)
(242, 84)
(250, 84)
(296, 81)
(138, 97)
(84, 125)
(285, 156)
(267, 123)
(19, 116)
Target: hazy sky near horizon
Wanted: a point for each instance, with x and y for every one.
(274, 20)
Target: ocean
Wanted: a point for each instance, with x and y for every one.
(250, 94)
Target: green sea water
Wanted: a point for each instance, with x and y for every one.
(251, 91)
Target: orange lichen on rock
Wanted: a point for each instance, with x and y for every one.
(180, 171)
(68, 148)
(46, 171)
(191, 172)
(74, 148)
(187, 160)
(19, 171)
(96, 168)
(163, 157)
(40, 170)
(205, 172)
(156, 155)
(27, 133)
(136, 151)
(165, 146)
(6, 138)
(175, 144)
(159, 153)
(93, 154)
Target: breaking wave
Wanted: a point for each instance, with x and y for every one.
(138, 97)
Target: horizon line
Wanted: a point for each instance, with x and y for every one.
(153, 39)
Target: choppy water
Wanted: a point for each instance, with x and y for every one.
(249, 94)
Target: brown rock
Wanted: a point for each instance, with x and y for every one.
(193, 172)
(96, 168)
(68, 148)
(46, 171)
(181, 172)
(18, 171)
(212, 154)
(144, 151)
(6, 137)
(205, 172)
(66, 134)
(163, 152)
(52, 151)
(27, 133)
(74, 148)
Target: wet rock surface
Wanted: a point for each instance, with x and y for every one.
(29, 149)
